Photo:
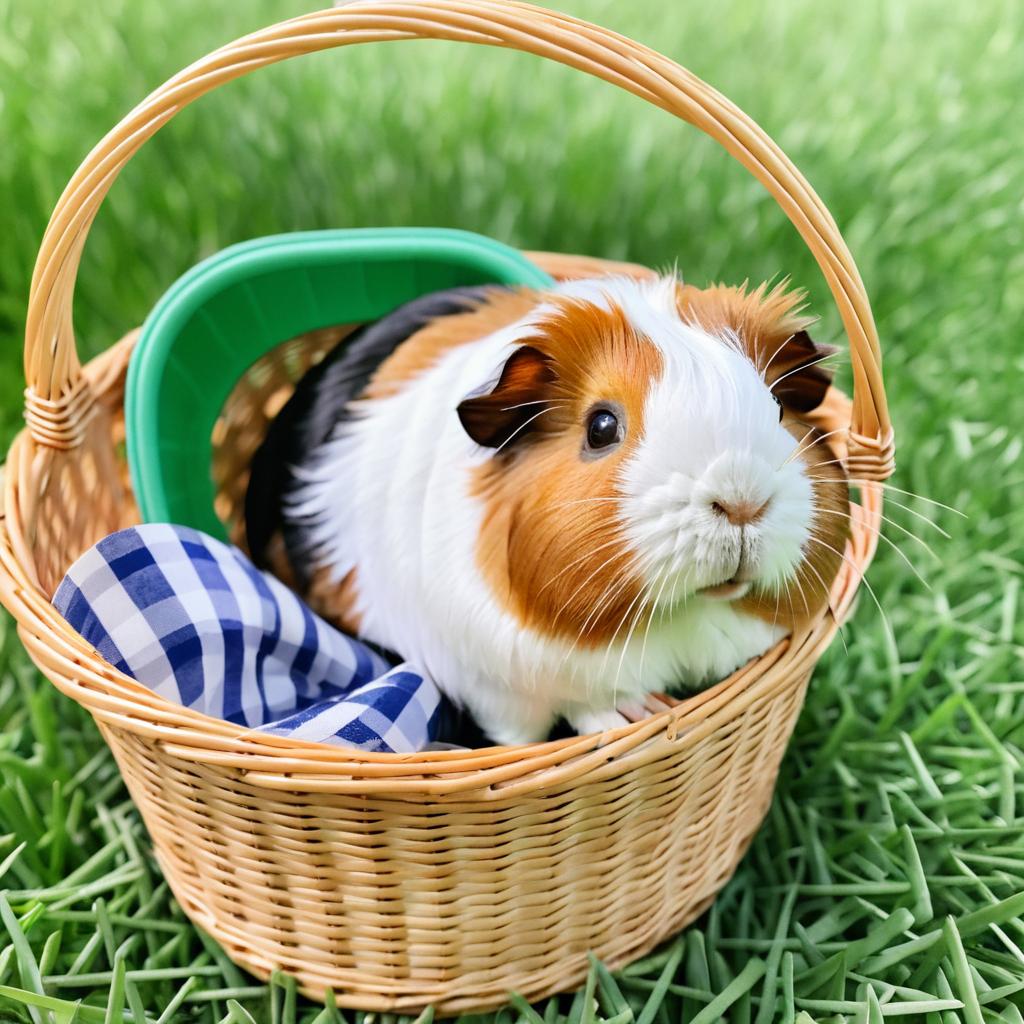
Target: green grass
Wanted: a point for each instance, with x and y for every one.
(888, 878)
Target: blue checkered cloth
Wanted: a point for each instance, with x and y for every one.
(196, 622)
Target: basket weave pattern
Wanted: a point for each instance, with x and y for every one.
(448, 877)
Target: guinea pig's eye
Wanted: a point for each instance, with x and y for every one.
(602, 429)
(779, 404)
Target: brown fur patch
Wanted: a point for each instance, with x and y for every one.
(550, 546)
(420, 352)
(764, 319)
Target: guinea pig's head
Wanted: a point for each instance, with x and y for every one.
(645, 450)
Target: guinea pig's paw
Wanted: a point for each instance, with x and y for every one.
(594, 720)
(512, 720)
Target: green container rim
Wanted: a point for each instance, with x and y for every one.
(172, 404)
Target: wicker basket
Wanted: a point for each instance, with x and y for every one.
(446, 878)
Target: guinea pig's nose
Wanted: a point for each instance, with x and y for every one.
(739, 513)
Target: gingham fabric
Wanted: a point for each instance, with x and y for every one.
(196, 622)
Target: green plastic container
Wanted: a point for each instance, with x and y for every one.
(232, 308)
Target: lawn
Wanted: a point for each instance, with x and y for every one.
(888, 880)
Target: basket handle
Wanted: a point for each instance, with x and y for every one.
(58, 397)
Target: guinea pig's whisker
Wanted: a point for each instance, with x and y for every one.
(910, 494)
(899, 551)
(800, 449)
(576, 561)
(670, 603)
(823, 438)
(890, 489)
(830, 462)
(644, 606)
(802, 366)
(803, 600)
(500, 552)
(919, 515)
(910, 533)
(892, 522)
(778, 606)
(815, 539)
(767, 366)
(625, 616)
(634, 619)
(800, 591)
(906, 508)
(634, 622)
(522, 426)
(582, 501)
(828, 601)
(617, 587)
(618, 583)
(650, 621)
(604, 565)
(523, 405)
(809, 566)
(633, 568)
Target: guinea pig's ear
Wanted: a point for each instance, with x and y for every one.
(496, 413)
(798, 376)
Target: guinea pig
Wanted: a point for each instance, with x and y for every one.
(559, 502)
